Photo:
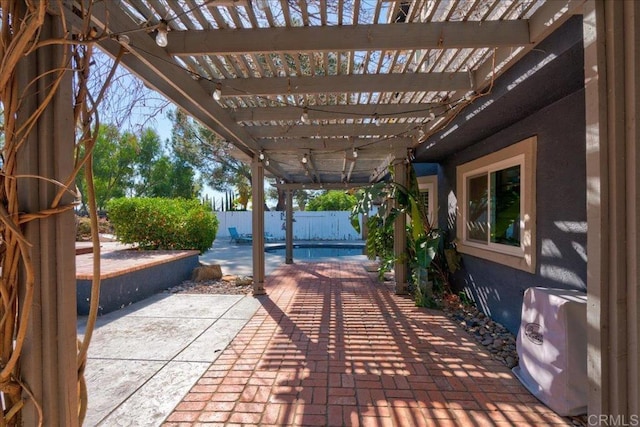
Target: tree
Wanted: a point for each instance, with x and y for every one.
(124, 164)
(210, 155)
(160, 172)
(300, 197)
(149, 152)
(333, 200)
(114, 159)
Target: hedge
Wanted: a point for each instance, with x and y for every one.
(159, 223)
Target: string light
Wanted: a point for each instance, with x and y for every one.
(261, 155)
(305, 116)
(304, 159)
(161, 36)
(355, 153)
(266, 162)
(376, 119)
(123, 39)
(217, 93)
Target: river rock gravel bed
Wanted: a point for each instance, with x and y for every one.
(492, 335)
(228, 285)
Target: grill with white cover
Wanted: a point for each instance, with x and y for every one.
(552, 346)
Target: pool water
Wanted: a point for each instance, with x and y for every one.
(314, 252)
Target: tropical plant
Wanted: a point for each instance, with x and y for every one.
(423, 240)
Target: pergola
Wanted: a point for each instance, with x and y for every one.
(326, 94)
(334, 93)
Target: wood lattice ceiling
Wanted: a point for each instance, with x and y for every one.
(377, 77)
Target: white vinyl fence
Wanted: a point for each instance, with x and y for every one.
(327, 225)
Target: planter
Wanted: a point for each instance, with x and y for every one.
(129, 276)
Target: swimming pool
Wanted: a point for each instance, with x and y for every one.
(319, 250)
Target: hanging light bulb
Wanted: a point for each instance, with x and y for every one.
(305, 116)
(261, 155)
(304, 159)
(355, 153)
(161, 36)
(266, 162)
(262, 4)
(123, 39)
(431, 117)
(376, 119)
(421, 134)
(217, 93)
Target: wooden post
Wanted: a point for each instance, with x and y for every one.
(612, 73)
(289, 228)
(48, 363)
(399, 233)
(257, 229)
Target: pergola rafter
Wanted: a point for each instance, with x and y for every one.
(438, 35)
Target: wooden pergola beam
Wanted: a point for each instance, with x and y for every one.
(309, 131)
(331, 112)
(360, 83)
(289, 145)
(382, 169)
(321, 186)
(407, 36)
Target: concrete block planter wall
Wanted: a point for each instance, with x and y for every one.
(131, 275)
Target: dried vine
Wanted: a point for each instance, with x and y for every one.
(20, 36)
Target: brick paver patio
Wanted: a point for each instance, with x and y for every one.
(331, 346)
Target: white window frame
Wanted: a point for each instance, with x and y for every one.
(523, 154)
(430, 184)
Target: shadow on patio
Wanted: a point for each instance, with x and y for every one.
(331, 346)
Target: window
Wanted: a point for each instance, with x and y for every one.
(496, 212)
(428, 187)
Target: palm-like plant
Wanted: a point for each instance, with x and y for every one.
(423, 240)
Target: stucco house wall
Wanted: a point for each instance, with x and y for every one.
(552, 108)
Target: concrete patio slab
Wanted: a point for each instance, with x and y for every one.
(187, 306)
(143, 359)
(156, 398)
(106, 380)
(212, 341)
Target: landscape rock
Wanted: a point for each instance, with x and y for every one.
(244, 281)
(207, 272)
(495, 337)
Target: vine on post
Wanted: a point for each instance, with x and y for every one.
(20, 36)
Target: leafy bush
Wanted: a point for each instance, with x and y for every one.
(333, 200)
(158, 223)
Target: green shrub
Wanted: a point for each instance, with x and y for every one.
(157, 223)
